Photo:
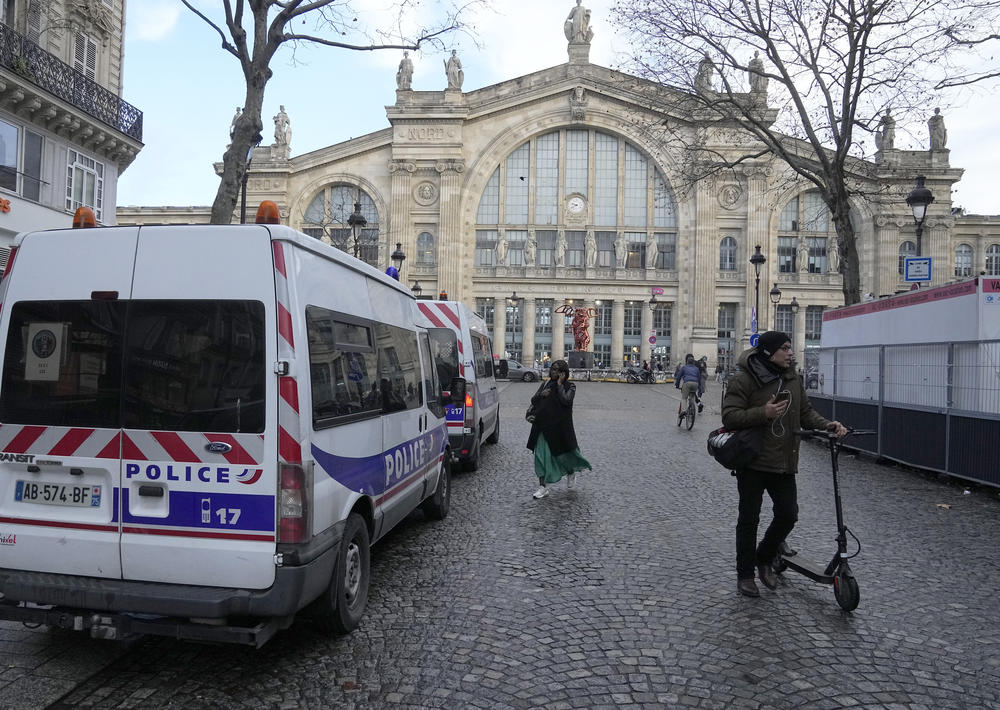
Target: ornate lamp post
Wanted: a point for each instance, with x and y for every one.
(918, 200)
(795, 310)
(357, 222)
(416, 289)
(514, 300)
(757, 259)
(775, 295)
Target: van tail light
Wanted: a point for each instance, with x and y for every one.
(293, 505)
(469, 413)
(468, 399)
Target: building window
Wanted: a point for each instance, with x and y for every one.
(727, 321)
(543, 316)
(28, 156)
(602, 323)
(330, 212)
(814, 323)
(484, 307)
(666, 252)
(786, 254)
(605, 248)
(517, 184)
(963, 260)
(636, 187)
(425, 249)
(489, 203)
(516, 239)
(602, 354)
(486, 247)
(633, 318)
(85, 55)
(575, 248)
(783, 319)
(636, 244)
(727, 254)
(817, 254)
(8, 156)
(31, 170)
(661, 321)
(546, 253)
(606, 180)
(993, 260)
(906, 249)
(85, 184)
(547, 179)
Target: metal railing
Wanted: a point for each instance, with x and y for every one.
(28, 60)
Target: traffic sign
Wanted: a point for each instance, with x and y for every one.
(917, 268)
(652, 340)
(753, 339)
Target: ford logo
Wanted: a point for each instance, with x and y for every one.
(218, 447)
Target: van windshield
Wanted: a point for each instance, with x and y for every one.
(165, 365)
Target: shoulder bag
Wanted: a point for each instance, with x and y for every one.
(735, 448)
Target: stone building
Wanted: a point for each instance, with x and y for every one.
(560, 187)
(65, 133)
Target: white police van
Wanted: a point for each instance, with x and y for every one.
(476, 421)
(204, 428)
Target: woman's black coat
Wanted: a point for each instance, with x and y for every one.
(554, 417)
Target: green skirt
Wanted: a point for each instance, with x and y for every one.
(550, 469)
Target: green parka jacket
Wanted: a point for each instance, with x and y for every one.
(743, 408)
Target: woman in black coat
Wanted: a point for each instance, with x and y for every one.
(553, 438)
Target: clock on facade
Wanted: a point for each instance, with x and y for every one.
(575, 205)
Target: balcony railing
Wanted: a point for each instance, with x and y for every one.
(27, 59)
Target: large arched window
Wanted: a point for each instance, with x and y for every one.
(963, 260)
(804, 229)
(993, 260)
(906, 249)
(727, 254)
(569, 183)
(328, 217)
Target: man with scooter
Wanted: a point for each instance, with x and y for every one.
(768, 394)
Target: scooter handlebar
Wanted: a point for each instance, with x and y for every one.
(831, 435)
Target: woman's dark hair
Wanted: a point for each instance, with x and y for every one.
(560, 366)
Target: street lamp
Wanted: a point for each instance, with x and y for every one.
(775, 295)
(653, 303)
(398, 257)
(513, 301)
(757, 259)
(795, 309)
(357, 222)
(416, 289)
(918, 200)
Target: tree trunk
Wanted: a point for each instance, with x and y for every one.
(246, 135)
(846, 237)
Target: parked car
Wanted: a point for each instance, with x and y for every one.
(516, 371)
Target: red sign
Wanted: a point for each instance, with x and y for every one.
(652, 340)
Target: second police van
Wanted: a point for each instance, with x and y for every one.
(204, 428)
(476, 421)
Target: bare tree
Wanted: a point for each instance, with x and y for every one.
(254, 30)
(824, 72)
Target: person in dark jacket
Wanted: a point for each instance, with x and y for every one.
(767, 393)
(553, 438)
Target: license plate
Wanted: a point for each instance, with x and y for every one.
(57, 494)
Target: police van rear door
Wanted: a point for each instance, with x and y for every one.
(199, 441)
(64, 307)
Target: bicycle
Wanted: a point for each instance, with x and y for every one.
(688, 414)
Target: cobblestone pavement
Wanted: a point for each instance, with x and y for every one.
(618, 593)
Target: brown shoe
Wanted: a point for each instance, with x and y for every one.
(768, 576)
(747, 587)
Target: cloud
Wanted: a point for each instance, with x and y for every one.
(153, 20)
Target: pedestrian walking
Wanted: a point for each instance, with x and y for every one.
(702, 381)
(553, 438)
(767, 393)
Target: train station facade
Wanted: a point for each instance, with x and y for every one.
(560, 188)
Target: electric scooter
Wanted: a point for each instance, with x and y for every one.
(838, 571)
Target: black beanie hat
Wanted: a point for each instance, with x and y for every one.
(770, 341)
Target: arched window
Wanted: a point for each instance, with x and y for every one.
(425, 249)
(993, 260)
(563, 182)
(804, 230)
(963, 260)
(906, 249)
(328, 218)
(727, 254)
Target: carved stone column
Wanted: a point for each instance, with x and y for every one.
(528, 332)
(646, 330)
(454, 264)
(558, 335)
(499, 326)
(400, 172)
(704, 267)
(617, 332)
(758, 223)
(591, 323)
(887, 239)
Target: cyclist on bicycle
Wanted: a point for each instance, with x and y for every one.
(687, 379)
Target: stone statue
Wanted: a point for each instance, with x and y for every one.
(651, 251)
(886, 135)
(758, 80)
(621, 250)
(529, 251)
(404, 75)
(501, 251)
(703, 79)
(282, 128)
(939, 135)
(561, 248)
(453, 69)
(803, 264)
(833, 254)
(232, 126)
(577, 25)
(591, 246)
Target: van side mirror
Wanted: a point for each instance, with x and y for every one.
(458, 387)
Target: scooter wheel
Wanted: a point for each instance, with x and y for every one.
(779, 565)
(845, 589)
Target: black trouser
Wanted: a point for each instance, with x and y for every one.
(751, 485)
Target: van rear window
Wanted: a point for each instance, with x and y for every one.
(162, 365)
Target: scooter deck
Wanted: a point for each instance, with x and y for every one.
(808, 568)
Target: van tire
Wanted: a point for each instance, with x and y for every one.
(437, 505)
(494, 438)
(342, 605)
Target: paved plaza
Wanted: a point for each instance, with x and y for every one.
(619, 593)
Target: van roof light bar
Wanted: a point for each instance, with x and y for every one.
(84, 218)
(268, 213)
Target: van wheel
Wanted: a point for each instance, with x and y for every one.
(494, 438)
(343, 603)
(437, 505)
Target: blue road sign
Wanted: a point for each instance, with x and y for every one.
(753, 339)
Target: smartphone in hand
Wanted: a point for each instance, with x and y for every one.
(782, 396)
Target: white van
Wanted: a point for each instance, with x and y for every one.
(478, 421)
(204, 428)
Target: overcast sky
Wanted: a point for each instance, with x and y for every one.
(188, 89)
